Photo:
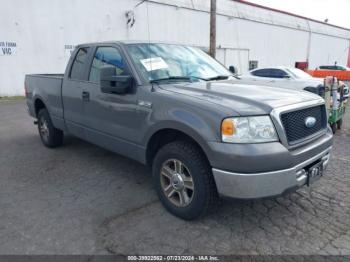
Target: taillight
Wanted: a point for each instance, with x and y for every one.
(25, 90)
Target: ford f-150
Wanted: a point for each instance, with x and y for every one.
(181, 112)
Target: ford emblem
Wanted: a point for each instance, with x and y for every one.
(310, 121)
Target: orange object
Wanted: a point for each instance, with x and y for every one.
(341, 75)
(227, 127)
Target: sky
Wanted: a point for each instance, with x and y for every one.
(336, 11)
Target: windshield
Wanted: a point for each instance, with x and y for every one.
(175, 62)
(297, 73)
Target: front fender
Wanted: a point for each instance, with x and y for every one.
(202, 131)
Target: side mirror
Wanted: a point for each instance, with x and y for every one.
(286, 76)
(232, 69)
(112, 83)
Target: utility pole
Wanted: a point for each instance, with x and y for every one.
(212, 46)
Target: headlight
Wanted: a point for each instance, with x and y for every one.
(255, 129)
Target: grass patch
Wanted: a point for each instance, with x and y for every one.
(11, 98)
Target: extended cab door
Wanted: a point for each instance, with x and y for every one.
(111, 120)
(72, 91)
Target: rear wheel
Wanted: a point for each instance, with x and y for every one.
(50, 136)
(183, 180)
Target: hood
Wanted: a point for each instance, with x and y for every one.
(243, 99)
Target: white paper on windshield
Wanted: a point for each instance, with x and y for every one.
(154, 63)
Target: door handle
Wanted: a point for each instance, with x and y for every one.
(85, 95)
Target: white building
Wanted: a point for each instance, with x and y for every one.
(37, 36)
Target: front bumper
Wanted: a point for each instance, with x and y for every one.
(266, 184)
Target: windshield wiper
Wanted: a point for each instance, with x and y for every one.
(190, 78)
(185, 78)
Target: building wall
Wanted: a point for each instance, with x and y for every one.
(44, 31)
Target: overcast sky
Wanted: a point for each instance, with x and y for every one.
(337, 11)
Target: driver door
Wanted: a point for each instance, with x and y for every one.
(111, 120)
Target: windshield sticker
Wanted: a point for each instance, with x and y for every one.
(154, 63)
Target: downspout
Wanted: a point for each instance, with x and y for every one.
(308, 43)
(348, 65)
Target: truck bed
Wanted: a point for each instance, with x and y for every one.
(49, 88)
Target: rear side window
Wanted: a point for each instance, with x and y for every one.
(262, 73)
(277, 73)
(106, 56)
(79, 64)
(340, 68)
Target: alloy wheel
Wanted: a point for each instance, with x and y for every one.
(177, 182)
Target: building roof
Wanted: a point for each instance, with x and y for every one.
(287, 13)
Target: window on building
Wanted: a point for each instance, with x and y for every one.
(78, 67)
(106, 56)
(253, 64)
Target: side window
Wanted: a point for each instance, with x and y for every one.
(106, 56)
(277, 73)
(262, 73)
(256, 73)
(78, 67)
(327, 67)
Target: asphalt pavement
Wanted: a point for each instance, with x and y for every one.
(81, 199)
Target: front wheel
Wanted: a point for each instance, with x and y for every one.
(50, 136)
(183, 180)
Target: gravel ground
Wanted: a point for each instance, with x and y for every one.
(81, 199)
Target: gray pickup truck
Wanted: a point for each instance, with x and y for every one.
(181, 112)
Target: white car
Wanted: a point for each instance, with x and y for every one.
(284, 77)
(333, 67)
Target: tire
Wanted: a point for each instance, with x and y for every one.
(334, 127)
(202, 197)
(340, 123)
(50, 136)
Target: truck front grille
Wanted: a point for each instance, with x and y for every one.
(295, 126)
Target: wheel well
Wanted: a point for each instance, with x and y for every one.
(166, 136)
(38, 105)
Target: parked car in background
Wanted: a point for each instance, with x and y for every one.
(286, 77)
(333, 67)
(283, 77)
(340, 72)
